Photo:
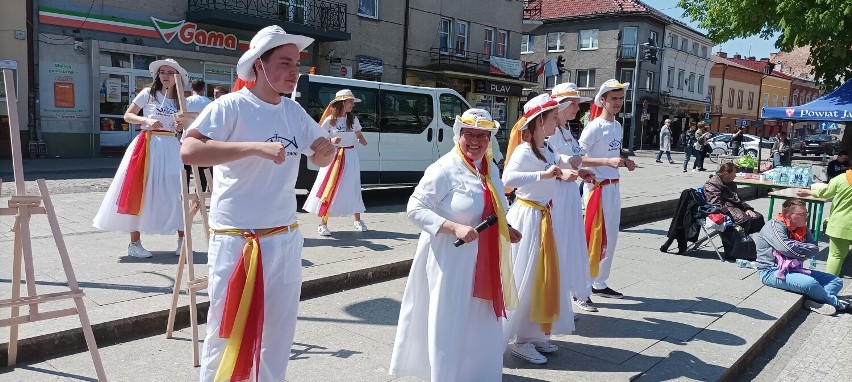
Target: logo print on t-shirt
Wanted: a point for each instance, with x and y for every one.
(287, 142)
(615, 144)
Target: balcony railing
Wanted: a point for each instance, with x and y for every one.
(322, 14)
(626, 52)
(447, 58)
(532, 9)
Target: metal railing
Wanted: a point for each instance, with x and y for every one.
(449, 57)
(626, 52)
(532, 9)
(317, 13)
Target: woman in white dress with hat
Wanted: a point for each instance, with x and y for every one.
(337, 189)
(449, 322)
(567, 203)
(534, 170)
(144, 196)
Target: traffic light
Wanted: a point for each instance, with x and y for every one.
(560, 64)
(651, 53)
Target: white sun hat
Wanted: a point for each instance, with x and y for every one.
(568, 91)
(154, 67)
(479, 119)
(539, 104)
(267, 38)
(607, 86)
(344, 95)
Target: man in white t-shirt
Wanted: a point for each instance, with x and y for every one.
(195, 104)
(601, 139)
(254, 139)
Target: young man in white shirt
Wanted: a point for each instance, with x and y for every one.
(601, 139)
(254, 139)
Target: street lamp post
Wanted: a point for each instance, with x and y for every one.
(633, 99)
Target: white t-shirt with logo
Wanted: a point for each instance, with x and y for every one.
(160, 108)
(564, 143)
(196, 103)
(347, 138)
(254, 193)
(602, 139)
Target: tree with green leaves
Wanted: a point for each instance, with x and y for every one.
(824, 25)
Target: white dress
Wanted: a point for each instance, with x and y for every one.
(522, 173)
(445, 334)
(568, 213)
(347, 200)
(161, 211)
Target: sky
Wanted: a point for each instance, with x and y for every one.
(755, 45)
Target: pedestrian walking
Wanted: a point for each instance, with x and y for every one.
(457, 296)
(144, 195)
(195, 104)
(253, 138)
(665, 141)
(701, 147)
(602, 139)
(337, 188)
(534, 170)
(688, 139)
(737, 140)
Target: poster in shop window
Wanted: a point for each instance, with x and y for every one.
(113, 89)
(65, 91)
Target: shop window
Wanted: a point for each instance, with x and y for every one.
(115, 59)
(114, 99)
(142, 61)
(451, 106)
(407, 113)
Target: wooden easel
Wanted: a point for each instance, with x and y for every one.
(193, 203)
(22, 207)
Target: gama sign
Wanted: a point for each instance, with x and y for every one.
(190, 33)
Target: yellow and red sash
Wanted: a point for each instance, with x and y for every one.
(545, 299)
(493, 279)
(132, 191)
(328, 188)
(242, 318)
(595, 227)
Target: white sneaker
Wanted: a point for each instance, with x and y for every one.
(545, 346)
(526, 351)
(179, 246)
(323, 230)
(360, 226)
(826, 309)
(135, 249)
(586, 305)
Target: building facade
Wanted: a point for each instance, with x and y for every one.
(15, 51)
(734, 91)
(93, 58)
(685, 76)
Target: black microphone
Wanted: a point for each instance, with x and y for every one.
(488, 222)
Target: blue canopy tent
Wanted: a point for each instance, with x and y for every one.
(832, 107)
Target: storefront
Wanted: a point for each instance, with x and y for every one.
(88, 75)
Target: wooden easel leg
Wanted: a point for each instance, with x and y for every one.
(16, 294)
(72, 280)
(193, 308)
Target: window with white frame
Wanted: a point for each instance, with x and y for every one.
(650, 81)
(700, 84)
(684, 43)
(488, 44)
(586, 78)
(588, 39)
(502, 43)
(703, 51)
(551, 81)
(368, 8)
(775, 100)
(783, 101)
(695, 48)
(670, 77)
(554, 42)
(765, 99)
(674, 41)
(795, 101)
(461, 37)
(654, 38)
(527, 43)
(626, 75)
(731, 98)
(691, 82)
(681, 77)
(444, 35)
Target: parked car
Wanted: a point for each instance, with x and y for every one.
(768, 142)
(721, 142)
(796, 144)
(820, 144)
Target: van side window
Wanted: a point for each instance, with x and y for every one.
(408, 113)
(319, 95)
(451, 106)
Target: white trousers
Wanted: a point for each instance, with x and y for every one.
(282, 284)
(611, 199)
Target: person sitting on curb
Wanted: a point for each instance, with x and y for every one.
(720, 190)
(784, 244)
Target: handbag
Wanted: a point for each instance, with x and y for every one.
(738, 245)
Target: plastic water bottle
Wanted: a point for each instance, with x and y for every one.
(783, 176)
(742, 263)
(812, 263)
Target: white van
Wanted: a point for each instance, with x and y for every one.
(407, 127)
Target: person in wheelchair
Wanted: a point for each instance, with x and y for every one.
(720, 190)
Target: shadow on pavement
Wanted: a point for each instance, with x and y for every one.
(378, 311)
(700, 305)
